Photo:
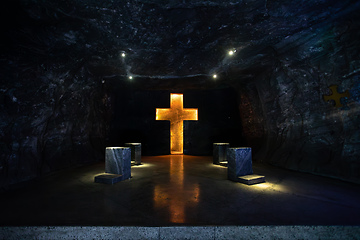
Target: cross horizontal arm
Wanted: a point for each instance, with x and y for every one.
(164, 114)
(190, 114)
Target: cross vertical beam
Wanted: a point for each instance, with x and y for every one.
(176, 114)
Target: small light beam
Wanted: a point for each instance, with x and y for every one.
(214, 76)
(130, 77)
(123, 55)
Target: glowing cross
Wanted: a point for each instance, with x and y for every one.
(176, 114)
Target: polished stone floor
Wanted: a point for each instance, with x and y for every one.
(182, 190)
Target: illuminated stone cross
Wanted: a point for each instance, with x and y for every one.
(176, 114)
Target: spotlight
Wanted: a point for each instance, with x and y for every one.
(231, 52)
(214, 76)
(123, 55)
(130, 77)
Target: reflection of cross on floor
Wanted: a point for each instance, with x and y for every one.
(336, 96)
(180, 195)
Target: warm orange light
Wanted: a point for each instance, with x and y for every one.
(180, 196)
(176, 114)
(177, 204)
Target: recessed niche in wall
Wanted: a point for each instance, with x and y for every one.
(134, 120)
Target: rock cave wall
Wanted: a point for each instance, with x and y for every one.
(58, 58)
(308, 91)
(54, 110)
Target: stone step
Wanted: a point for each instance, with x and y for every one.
(251, 179)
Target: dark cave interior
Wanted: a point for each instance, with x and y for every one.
(66, 91)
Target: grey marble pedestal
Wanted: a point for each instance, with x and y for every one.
(117, 165)
(135, 152)
(219, 153)
(240, 166)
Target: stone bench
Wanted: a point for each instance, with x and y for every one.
(117, 165)
(135, 152)
(240, 166)
(219, 153)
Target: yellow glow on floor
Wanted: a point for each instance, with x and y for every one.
(270, 188)
(177, 171)
(264, 185)
(179, 197)
(176, 114)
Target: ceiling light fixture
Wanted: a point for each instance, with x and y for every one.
(231, 52)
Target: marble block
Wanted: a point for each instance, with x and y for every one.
(135, 152)
(251, 179)
(239, 162)
(108, 178)
(118, 161)
(219, 152)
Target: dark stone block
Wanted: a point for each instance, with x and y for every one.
(239, 162)
(118, 161)
(219, 152)
(135, 152)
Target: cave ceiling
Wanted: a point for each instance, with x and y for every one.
(174, 40)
